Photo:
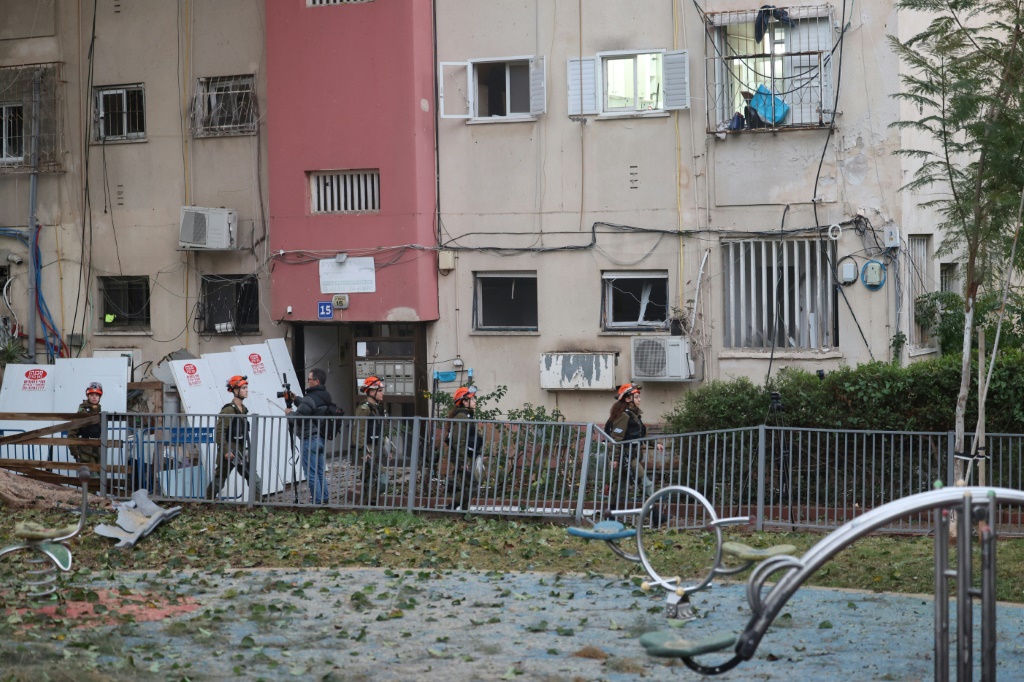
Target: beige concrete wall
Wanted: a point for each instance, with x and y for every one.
(136, 189)
(552, 178)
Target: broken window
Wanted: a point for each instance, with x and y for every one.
(121, 113)
(771, 68)
(12, 132)
(635, 299)
(919, 282)
(778, 294)
(224, 106)
(125, 302)
(505, 301)
(230, 304)
(629, 82)
(494, 89)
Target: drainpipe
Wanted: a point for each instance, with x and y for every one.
(32, 196)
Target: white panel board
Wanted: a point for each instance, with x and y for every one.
(197, 387)
(259, 363)
(28, 388)
(577, 371)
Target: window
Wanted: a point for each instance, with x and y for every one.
(918, 263)
(948, 277)
(224, 106)
(121, 113)
(629, 83)
(356, 191)
(125, 302)
(325, 3)
(493, 89)
(231, 304)
(635, 299)
(505, 301)
(772, 68)
(12, 133)
(779, 294)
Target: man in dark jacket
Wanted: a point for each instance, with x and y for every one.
(310, 432)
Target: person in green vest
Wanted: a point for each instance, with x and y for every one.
(232, 438)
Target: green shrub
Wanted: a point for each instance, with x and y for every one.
(874, 396)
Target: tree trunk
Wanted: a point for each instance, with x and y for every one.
(965, 387)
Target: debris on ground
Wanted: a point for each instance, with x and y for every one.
(136, 518)
(18, 492)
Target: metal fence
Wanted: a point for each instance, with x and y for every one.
(782, 478)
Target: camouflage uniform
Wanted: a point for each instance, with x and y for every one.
(86, 454)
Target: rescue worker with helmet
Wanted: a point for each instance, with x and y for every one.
(232, 438)
(465, 447)
(88, 454)
(374, 445)
(630, 485)
(314, 460)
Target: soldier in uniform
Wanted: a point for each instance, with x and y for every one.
(374, 445)
(630, 485)
(232, 438)
(465, 447)
(88, 454)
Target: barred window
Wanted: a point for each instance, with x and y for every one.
(919, 282)
(125, 302)
(354, 191)
(121, 113)
(779, 294)
(230, 304)
(325, 3)
(772, 68)
(12, 132)
(224, 105)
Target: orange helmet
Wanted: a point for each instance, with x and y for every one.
(371, 384)
(95, 387)
(237, 381)
(464, 393)
(627, 389)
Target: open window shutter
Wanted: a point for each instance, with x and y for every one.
(808, 83)
(676, 79)
(582, 86)
(455, 78)
(538, 87)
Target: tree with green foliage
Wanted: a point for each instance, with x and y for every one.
(964, 72)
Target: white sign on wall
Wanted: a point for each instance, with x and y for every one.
(354, 276)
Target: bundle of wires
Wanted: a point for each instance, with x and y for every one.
(55, 347)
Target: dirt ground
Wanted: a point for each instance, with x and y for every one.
(379, 624)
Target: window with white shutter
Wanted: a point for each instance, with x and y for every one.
(629, 83)
(493, 90)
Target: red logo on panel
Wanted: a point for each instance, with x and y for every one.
(255, 358)
(190, 369)
(35, 374)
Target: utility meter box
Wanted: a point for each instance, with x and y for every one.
(892, 238)
(848, 273)
(873, 274)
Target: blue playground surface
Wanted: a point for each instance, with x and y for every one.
(377, 624)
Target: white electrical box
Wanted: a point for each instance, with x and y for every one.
(892, 238)
(848, 273)
(873, 274)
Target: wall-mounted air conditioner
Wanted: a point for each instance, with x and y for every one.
(208, 228)
(661, 358)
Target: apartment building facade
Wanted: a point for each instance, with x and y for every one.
(614, 173)
(143, 108)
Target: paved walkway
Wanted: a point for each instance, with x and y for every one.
(368, 624)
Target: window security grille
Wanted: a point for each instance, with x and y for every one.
(16, 88)
(121, 113)
(224, 106)
(779, 294)
(125, 302)
(948, 277)
(785, 78)
(345, 191)
(12, 133)
(231, 304)
(917, 267)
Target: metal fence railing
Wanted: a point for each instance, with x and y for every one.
(781, 478)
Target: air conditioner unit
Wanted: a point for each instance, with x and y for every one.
(661, 358)
(207, 228)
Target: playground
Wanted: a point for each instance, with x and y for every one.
(381, 624)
